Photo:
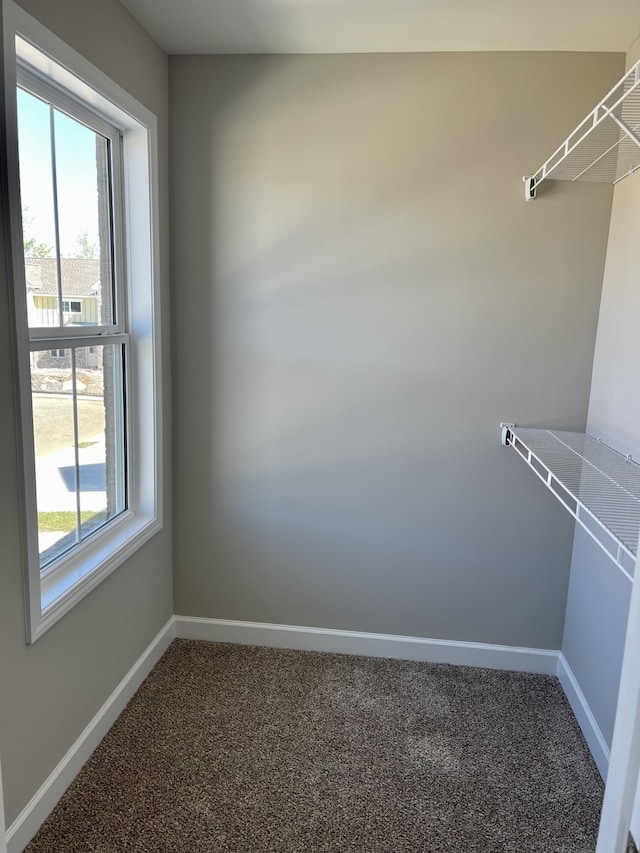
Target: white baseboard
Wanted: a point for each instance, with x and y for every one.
(373, 645)
(587, 722)
(31, 818)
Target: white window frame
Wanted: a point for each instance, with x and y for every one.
(51, 594)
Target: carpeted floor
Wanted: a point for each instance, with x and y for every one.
(236, 749)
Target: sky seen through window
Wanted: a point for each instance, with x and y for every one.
(76, 175)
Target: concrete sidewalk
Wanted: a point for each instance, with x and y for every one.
(55, 483)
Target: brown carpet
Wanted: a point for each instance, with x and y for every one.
(236, 749)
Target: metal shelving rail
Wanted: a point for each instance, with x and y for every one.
(605, 146)
(597, 485)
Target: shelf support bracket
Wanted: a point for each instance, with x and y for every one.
(506, 429)
(530, 187)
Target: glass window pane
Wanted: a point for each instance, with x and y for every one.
(84, 217)
(38, 220)
(99, 390)
(79, 443)
(54, 440)
(67, 218)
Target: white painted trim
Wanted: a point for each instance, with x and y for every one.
(44, 800)
(49, 598)
(634, 828)
(542, 661)
(624, 766)
(3, 844)
(587, 722)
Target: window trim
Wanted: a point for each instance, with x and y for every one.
(46, 601)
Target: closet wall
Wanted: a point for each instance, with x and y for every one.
(599, 593)
(360, 295)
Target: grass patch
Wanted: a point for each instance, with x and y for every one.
(62, 522)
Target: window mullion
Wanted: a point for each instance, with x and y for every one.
(76, 444)
(75, 341)
(56, 217)
(118, 218)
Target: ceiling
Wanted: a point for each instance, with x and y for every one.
(367, 26)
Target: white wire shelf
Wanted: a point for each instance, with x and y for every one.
(597, 485)
(605, 146)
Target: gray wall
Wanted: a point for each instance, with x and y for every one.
(599, 594)
(51, 690)
(595, 628)
(360, 294)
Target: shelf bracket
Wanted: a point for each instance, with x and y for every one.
(530, 187)
(506, 430)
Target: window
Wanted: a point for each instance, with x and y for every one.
(86, 309)
(68, 161)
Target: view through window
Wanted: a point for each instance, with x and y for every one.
(77, 360)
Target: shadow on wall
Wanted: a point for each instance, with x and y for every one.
(347, 286)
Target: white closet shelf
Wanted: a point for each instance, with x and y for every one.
(605, 146)
(599, 486)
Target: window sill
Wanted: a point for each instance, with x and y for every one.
(62, 587)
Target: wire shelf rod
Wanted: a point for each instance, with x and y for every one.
(595, 138)
(628, 174)
(601, 157)
(597, 485)
(634, 75)
(593, 465)
(626, 129)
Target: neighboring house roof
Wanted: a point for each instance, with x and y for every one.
(80, 276)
